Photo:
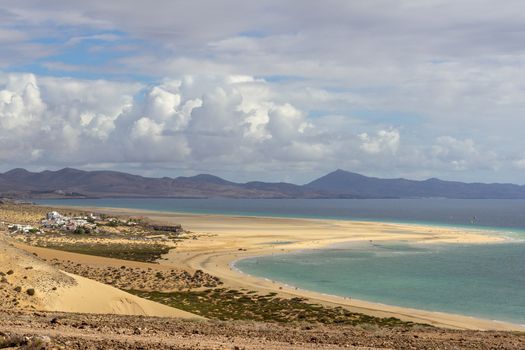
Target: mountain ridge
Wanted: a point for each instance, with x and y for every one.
(75, 183)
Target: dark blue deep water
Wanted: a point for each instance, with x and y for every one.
(460, 212)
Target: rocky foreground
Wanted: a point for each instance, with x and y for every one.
(40, 330)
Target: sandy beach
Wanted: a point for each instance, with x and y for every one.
(221, 240)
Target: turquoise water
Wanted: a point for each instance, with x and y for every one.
(485, 281)
(479, 280)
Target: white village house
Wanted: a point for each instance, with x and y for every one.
(17, 228)
(57, 221)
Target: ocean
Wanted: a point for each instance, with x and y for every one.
(489, 213)
(485, 281)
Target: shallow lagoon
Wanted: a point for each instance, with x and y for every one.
(486, 280)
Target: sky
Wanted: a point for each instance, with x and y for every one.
(266, 90)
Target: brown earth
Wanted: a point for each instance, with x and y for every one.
(139, 278)
(76, 331)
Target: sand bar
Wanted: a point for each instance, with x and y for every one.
(223, 239)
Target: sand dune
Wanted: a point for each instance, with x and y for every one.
(89, 296)
(54, 290)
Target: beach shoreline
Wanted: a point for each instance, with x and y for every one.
(510, 233)
(224, 239)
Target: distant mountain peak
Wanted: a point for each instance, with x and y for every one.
(205, 178)
(17, 171)
(340, 172)
(344, 172)
(68, 170)
(337, 184)
(208, 177)
(345, 182)
(340, 175)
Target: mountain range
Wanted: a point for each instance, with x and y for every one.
(74, 183)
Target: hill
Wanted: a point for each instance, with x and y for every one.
(74, 183)
(345, 183)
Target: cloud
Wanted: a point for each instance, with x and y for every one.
(464, 154)
(286, 122)
(56, 119)
(268, 86)
(385, 141)
(98, 37)
(448, 147)
(224, 123)
(520, 164)
(193, 119)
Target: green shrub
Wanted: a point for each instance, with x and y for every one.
(79, 231)
(113, 223)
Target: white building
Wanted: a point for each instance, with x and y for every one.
(53, 215)
(15, 228)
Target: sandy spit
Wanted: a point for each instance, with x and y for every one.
(224, 239)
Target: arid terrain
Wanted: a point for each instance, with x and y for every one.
(84, 331)
(94, 298)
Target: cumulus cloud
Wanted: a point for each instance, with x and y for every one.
(192, 119)
(197, 123)
(464, 154)
(448, 147)
(384, 141)
(20, 101)
(286, 122)
(50, 118)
